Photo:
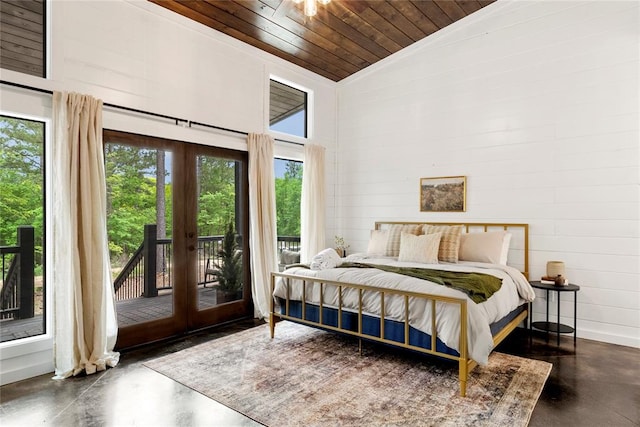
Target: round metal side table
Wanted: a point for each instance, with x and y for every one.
(555, 327)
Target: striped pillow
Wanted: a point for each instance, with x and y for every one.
(450, 241)
(395, 232)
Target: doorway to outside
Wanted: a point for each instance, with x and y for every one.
(178, 235)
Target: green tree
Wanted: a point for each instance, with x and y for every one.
(288, 195)
(229, 267)
(216, 195)
(21, 180)
(131, 196)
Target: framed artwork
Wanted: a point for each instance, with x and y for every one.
(443, 194)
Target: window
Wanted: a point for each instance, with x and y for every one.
(287, 109)
(22, 36)
(22, 228)
(288, 175)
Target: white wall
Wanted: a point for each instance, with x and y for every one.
(537, 104)
(139, 55)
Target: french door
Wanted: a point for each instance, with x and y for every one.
(178, 235)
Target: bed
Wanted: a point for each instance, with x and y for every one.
(424, 276)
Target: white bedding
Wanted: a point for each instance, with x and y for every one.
(514, 291)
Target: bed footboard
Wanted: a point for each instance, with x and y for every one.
(465, 365)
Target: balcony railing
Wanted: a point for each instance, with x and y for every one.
(148, 271)
(17, 264)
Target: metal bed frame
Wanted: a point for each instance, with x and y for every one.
(465, 364)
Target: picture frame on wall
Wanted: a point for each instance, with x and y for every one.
(443, 194)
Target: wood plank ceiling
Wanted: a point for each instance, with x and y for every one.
(345, 36)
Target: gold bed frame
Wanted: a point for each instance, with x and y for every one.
(465, 364)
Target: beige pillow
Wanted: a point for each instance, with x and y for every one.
(423, 248)
(378, 242)
(491, 247)
(395, 231)
(449, 243)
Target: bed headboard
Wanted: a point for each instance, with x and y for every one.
(518, 250)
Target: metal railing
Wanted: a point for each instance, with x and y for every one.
(17, 264)
(148, 271)
(289, 243)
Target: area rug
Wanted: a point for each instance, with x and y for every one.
(308, 377)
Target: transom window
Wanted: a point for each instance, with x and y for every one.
(287, 109)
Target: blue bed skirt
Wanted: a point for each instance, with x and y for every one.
(393, 330)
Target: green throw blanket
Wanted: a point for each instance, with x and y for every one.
(478, 286)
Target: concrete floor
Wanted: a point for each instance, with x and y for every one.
(591, 384)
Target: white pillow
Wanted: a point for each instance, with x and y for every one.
(506, 242)
(378, 242)
(423, 248)
(393, 239)
(491, 247)
(327, 258)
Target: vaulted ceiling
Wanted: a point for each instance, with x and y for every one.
(344, 37)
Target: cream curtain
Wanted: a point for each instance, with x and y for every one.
(84, 310)
(312, 205)
(262, 217)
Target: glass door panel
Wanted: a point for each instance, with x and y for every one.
(140, 210)
(221, 291)
(220, 260)
(22, 229)
(170, 204)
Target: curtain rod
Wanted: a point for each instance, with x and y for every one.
(148, 113)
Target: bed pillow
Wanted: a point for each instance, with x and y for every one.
(449, 242)
(378, 242)
(491, 247)
(289, 257)
(325, 259)
(423, 248)
(395, 232)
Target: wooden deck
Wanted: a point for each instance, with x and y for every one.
(129, 312)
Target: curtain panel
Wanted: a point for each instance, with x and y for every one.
(262, 218)
(312, 205)
(85, 323)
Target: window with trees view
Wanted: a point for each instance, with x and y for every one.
(22, 228)
(288, 175)
(137, 195)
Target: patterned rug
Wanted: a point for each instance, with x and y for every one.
(307, 377)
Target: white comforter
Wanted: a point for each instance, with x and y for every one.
(514, 291)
